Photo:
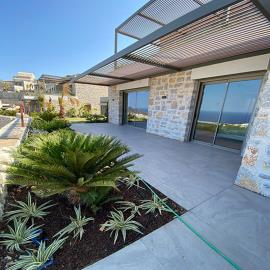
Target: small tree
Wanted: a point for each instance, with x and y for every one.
(6, 86)
(41, 101)
(65, 92)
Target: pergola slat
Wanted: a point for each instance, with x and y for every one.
(217, 30)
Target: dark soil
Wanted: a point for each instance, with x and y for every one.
(95, 245)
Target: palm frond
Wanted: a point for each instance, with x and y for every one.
(70, 162)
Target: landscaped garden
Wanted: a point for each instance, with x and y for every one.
(74, 199)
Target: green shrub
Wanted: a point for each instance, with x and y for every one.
(34, 114)
(8, 112)
(96, 118)
(48, 115)
(72, 112)
(49, 126)
(85, 168)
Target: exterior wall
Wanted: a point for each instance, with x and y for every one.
(11, 98)
(90, 94)
(244, 65)
(85, 93)
(171, 108)
(171, 105)
(134, 84)
(115, 105)
(254, 172)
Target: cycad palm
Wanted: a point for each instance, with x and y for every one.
(81, 166)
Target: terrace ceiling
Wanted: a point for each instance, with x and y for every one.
(214, 30)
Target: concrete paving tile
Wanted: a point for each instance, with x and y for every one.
(134, 257)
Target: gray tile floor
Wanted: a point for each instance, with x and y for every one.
(188, 173)
(201, 179)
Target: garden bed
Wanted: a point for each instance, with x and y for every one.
(95, 244)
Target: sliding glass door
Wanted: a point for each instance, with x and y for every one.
(225, 112)
(209, 114)
(136, 108)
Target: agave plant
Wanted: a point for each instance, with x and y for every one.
(35, 261)
(19, 235)
(132, 181)
(156, 204)
(29, 210)
(85, 168)
(129, 206)
(117, 223)
(76, 225)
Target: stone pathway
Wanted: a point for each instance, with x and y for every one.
(10, 137)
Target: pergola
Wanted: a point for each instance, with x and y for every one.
(173, 35)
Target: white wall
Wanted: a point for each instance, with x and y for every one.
(245, 65)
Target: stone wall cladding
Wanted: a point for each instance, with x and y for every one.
(85, 93)
(115, 105)
(254, 172)
(90, 94)
(172, 116)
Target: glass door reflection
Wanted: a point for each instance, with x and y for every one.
(137, 108)
(236, 114)
(210, 111)
(225, 112)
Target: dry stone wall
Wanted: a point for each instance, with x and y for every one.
(115, 105)
(254, 172)
(90, 94)
(171, 105)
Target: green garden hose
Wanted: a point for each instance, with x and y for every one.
(191, 228)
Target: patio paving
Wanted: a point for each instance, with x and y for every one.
(188, 173)
(235, 220)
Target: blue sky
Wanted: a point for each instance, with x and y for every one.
(59, 36)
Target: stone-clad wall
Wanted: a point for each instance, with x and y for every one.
(171, 105)
(90, 94)
(254, 172)
(115, 105)
(85, 93)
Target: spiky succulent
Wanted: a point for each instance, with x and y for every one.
(132, 181)
(76, 225)
(37, 260)
(156, 204)
(19, 235)
(28, 210)
(117, 223)
(129, 206)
